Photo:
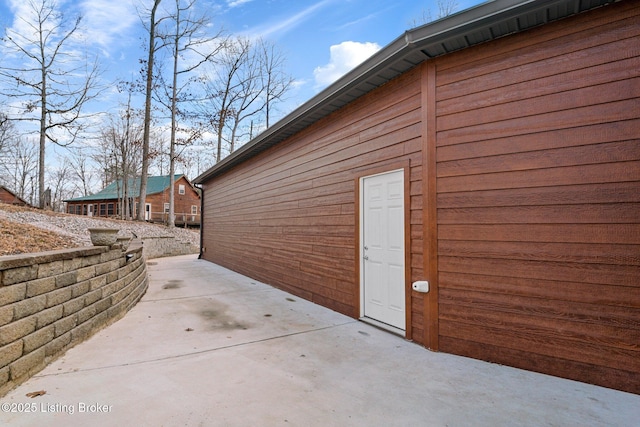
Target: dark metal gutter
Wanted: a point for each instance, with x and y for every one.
(201, 220)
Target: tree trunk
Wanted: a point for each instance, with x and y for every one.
(147, 114)
(43, 139)
(171, 221)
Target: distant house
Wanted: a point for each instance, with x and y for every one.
(474, 186)
(107, 203)
(11, 198)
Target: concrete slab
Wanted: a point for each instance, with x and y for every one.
(207, 346)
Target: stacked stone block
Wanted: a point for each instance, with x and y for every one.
(51, 301)
(156, 247)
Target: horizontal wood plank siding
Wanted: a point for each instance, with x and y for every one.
(183, 204)
(287, 217)
(538, 199)
(527, 215)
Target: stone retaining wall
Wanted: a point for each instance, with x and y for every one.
(157, 247)
(50, 301)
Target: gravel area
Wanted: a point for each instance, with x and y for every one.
(73, 229)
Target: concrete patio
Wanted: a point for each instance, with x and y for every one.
(207, 346)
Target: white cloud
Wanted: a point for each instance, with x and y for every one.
(106, 21)
(236, 3)
(273, 29)
(344, 57)
(25, 21)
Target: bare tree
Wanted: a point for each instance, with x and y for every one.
(221, 86)
(103, 155)
(121, 142)
(50, 78)
(275, 81)
(190, 48)
(81, 171)
(241, 89)
(19, 170)
(445, 8)
(158, 153)
(246, 95)
(152, 48)
(7, 133)
(261, 82)
(61, 176)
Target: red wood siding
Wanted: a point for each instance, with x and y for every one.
(288, 217)
(538, 199)
(182, 204)
(523, 161)
(10, 198)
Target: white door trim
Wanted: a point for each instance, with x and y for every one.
(363, 314)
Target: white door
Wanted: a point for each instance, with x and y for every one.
(90, 210)
(147, 211)
(382, 240)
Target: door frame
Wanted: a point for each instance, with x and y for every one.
(403, 166)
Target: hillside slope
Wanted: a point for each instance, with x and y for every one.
(26, 230)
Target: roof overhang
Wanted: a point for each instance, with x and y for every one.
(485, 22)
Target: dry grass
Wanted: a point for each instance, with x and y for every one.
(27, 230)
(18, 238)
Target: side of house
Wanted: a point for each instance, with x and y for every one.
(108, 202)
(506, 175)
(289, 217)
(186, 204)
(538, 198)
(11, 198)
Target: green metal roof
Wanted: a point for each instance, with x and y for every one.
(155, 184)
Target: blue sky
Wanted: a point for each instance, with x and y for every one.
(321, 39)
(324, 39)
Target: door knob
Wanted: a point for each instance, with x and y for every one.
(365, 257)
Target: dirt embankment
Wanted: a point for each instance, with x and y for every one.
(27, 230)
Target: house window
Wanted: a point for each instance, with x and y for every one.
(110, 209)
(103, 209)
(194, 210)
(181, 189)
(166, 208)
